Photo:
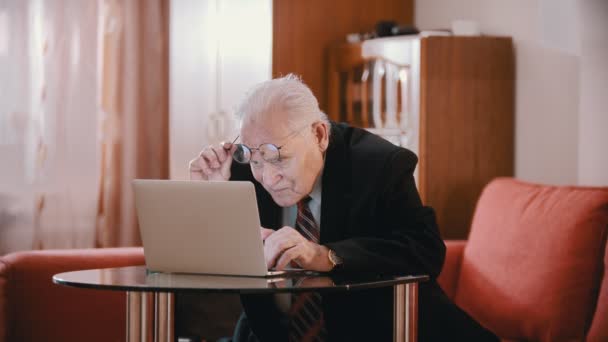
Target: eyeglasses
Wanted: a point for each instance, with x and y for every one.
(270, 153)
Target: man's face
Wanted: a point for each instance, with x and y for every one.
(292, 177)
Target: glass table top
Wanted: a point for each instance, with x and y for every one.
(137, 278)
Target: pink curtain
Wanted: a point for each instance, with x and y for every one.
(134, 107)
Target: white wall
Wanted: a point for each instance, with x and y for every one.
(559, 121)
(244, 31)
(593, 108)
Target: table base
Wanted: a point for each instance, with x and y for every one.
(150, 315)
(405, 312)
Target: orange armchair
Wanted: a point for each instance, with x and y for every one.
(535, 266)
(32, 308)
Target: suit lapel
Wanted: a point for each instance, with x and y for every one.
(336, 191)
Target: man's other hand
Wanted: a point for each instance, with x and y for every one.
(286, 245)
(212, 163)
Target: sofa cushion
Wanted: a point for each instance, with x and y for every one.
(33, 308)
(533, 264)
(599, 326)
(448, 279)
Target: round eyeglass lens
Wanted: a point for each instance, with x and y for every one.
(269, 152)
(242, 154)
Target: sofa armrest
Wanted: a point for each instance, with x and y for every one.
(29, 298)
(448, 279)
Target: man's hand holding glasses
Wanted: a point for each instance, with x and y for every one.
(213, 162)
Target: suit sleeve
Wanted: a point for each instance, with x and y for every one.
(405, 238)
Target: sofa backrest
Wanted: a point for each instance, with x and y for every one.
(599, 325)
(33, 308)
(534, 262)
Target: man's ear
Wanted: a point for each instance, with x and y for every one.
(321, 132)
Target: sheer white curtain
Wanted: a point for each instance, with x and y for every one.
(48, 120)
(83, 110)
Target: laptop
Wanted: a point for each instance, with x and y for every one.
(201, 227)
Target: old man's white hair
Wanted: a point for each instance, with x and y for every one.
(286, 95)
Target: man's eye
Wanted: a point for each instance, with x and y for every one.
(255, 163)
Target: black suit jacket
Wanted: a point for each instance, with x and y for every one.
(372, 217)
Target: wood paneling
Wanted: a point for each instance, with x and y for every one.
(342, 58)
(304, 29)
(466, 124)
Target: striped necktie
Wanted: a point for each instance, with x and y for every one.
(306, 315)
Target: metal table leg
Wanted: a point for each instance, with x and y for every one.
(405, 313)
(164, 317)
(150, 317)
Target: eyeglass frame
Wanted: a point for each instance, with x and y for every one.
(278, 148)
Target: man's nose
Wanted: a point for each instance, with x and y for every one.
(270, 175)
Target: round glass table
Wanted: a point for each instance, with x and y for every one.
(150, 295)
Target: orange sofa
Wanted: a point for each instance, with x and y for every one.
(535, 266)
(32, 308)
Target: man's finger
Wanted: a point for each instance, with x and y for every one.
(228, 146)
(265, 232)
(278, 242)
(196, 173)
(211, 158)
(273, 248)
(282, 241)
(202, 164)
(220, 153)
(287, 256)
(226, 165)
(270, 255)
(287, 231)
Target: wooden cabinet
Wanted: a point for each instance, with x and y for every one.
(456, 112)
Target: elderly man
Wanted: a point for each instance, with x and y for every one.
(332, 198)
